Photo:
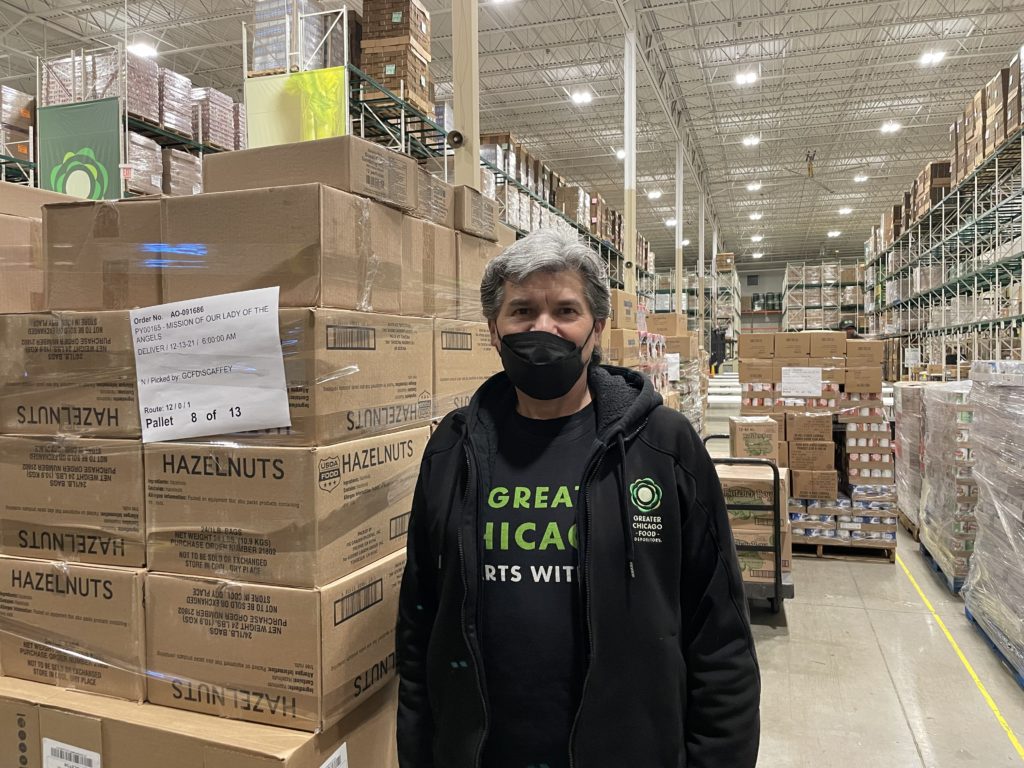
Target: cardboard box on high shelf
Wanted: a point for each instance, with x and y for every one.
(864, 380)
(506, 235)
(756, 371)
(667, 324)
(623, 316)
(475, 214)
(74, 499)
(429, 259)
(122, 734)
(464, 358)
(22, 267)
(68, 373)
(297, 517)
(687, 347)
(760, 346)
(103, 254)
(80, 627)
(759, 566)
(749, 486)
(814, 485)
(804, 427)
(300, 658)
(472, 254)
(828, 344)
(792, 345)
(623, 349)
(860, 353)
(321, 246)
(435, 199)
(754, 437)
(346, 163)
(813, 456)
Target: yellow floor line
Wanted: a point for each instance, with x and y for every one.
(963, 660)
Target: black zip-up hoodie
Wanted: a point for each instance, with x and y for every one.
(672, 680)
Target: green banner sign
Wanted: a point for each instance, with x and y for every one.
(80, 149)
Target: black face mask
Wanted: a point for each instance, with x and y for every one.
(541, 364)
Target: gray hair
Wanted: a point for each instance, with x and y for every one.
(546, 250)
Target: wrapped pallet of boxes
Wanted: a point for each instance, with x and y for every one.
(909, 447)
(947, 521)
(22, 273)
(183, 173)
(145, 159)
(175, 102)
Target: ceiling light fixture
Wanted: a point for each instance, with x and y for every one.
(756, 238)
(670, 222)
(757, 255)
(145, 50)
(890, 127)
(834, 233)
(845, 211)
(751, 141)
(860, 178)
(756, 216)
(754, 186)
(582, 97)
(685, 242)
(620, 154)
(746, 78)
(931, 58)
(654, 194)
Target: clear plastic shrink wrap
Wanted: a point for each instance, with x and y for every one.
(910, 431)
(994, 590)
(947, 523)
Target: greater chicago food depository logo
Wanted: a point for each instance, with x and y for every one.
(81, 174)
(646, 494)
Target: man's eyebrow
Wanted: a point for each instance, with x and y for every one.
(520, 302)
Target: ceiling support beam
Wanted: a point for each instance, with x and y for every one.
(466, 66)
(629, 254)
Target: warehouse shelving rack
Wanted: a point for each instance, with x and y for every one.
(950, 287)
(17, 159)
(812, 275)
(726, 305)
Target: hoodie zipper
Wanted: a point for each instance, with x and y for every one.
(588, 477)
(477, 661)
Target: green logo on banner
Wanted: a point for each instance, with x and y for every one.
(646, 494)
(80, 175)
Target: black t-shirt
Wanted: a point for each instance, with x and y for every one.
(533, 641)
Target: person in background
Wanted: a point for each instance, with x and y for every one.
(851, 330)
(572, 595)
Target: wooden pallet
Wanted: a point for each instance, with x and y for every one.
(989, 637)
(953, 583)
(844, 552)
(910, 526)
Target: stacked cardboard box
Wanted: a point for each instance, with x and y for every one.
(213, 118)
(143, 84)
(239, 122)
(909, 447)
(996, 91)
(145, 159)
(948, 523)
(396, 49)
(17, 116)
(176, 102)
(1013, 100)
(22, 274)
(183, 173)
(933, 184)
(745, 486)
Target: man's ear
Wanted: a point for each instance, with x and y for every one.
(493, 328)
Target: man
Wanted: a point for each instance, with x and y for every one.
(572, 595)
(851, 330)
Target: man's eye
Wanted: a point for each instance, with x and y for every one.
(520, 311)
(569, 311)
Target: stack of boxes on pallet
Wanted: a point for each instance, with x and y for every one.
(908, 405)
(252, 576)
(396, 49)
(948, 523)
(17, 116)
(22, 273)
(745, 486)
(850, 392)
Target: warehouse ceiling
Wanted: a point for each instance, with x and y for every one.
(827, 76)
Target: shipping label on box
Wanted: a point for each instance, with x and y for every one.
(802, 427)
(864, 380)
(76, 626)
(754, 437)
(815, 485)
(321, 246)
(464, 358)
(74, 499)
(792, 345)
(757, 346)
(68, 373)
(351, 375)
(814, 456)
(623, 315)
(756, 371)
(300, 658)
(286, 516)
